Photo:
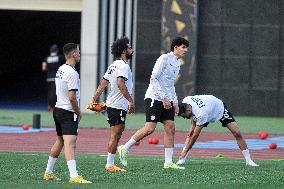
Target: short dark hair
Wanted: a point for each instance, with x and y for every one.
(53, 48)
(178, 41)
(182, 108)
(119, 46)
(68, 48)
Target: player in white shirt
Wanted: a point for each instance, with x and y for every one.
(119, 100)
(66, 115)
(161, 102)
(204, 109)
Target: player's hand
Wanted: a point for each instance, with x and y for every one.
(94, 100)
(131, 107)
(167, 104)
(96, 106)
(79, 117)
(176, 108)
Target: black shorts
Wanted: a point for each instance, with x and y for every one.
(66, 122)
(227, 117)
(155, 111)
(116, 116)
(205, 124)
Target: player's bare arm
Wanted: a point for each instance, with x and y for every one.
(196, 131)
(123, 89)
(192, 137)
(74, 103)
(188, 137)
(100, 89)
(44, 66)
(167, 104)
(176, 108)
(191, 130)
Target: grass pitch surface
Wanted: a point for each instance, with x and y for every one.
(25, 171)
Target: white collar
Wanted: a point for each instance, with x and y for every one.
(173, 55)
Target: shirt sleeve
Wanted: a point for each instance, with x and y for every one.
(72, 82)
(156, 74)
(201, 120)
(123, 71)
(106, 76)
(108, 73)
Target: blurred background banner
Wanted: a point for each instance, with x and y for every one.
(179, 20)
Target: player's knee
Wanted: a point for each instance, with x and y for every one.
(170, 128)
(195, 135)
(60, 144)
(190, 133)
(119, 136)
(150, 130)
(114, 138)
(70, 145)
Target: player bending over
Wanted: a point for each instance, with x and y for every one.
(204, 109)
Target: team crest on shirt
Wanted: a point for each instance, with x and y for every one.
(153, 117)
(122, 118)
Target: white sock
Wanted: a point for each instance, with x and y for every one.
(246, 155)
(129, 144)
(110, 160)
(50, 164)
(169, 155)
(72, 168)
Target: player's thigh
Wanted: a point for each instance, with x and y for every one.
(150, 125)
(116, 130)
(169, 123)
(169, 126)
(69, 140)
(233, 127)
(60, 140)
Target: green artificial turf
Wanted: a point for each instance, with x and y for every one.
(136, 121)
(25, 171)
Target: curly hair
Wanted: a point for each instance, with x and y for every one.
(182, 108)
(119, 46)
(178, 42)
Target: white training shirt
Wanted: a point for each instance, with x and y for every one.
(115, 98)
(66, 79)
(163, 76)
(205, 108)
